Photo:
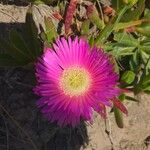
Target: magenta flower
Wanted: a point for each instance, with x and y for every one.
(73, 80)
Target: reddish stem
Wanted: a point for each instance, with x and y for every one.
(69, 15)
(90, 10)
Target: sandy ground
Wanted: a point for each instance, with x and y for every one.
(134, 136)
(136, 132)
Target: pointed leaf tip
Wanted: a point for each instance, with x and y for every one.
(118, 117)
(103, 111)
(117, 103)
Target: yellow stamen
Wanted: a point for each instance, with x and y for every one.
(75, 81)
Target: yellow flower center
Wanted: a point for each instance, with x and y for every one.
(75, 81)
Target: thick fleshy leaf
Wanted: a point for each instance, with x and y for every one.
(31, 35)
(85, 27)
(144, 56)
(131, 15)
(50, 32)
(146, 87)
(144, 83)
(147, 13)
(146, 79)
(122, 51)
(118, 117)
(125, 39)
(117, 4)
(19, 43)
(93, 16)
(135, 61)
(37, 2)
(91, 41)
(7, 61)
(128, 77)
(131, 2)
(122, 97)
(131, 99)
(14, 52)
(117, 103)
(146, 49)
(144, 29)
(105, 33)
(124, 25)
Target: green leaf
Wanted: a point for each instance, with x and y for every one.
(135, 61)
(146, 79)
(7, 61)
(85, 27)
(146, 49)
(108, 46)
(142, 87)
(144, 56)
(126, 39)
(131, 2)
(122, 51)
(131, 99)
(91, 41)
(19, 43)
(131, 14)
(31, 35)
(118, 117)
(147, 13)
(121, 97)
(37, 2)
(123, 25)
(117, 4)
(15, 53)
(50, 30)
(146, 88)
(105, 33)
(144, 29)
(95, 19)
(145, 41)
(128, 77)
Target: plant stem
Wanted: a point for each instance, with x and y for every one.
(102, 37)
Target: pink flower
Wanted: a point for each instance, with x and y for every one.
(73, 80)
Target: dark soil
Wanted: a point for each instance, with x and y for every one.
(22, 127)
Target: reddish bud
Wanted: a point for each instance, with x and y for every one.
(130, 29)
(93, 16)
(108, 10)
(69, 15)
(125, 91)
(103, 110)
(90, 10)
(117, 103)
(57, 16)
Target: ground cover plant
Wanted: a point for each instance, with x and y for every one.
(108, 38)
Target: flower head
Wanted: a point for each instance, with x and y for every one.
(73, 80)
